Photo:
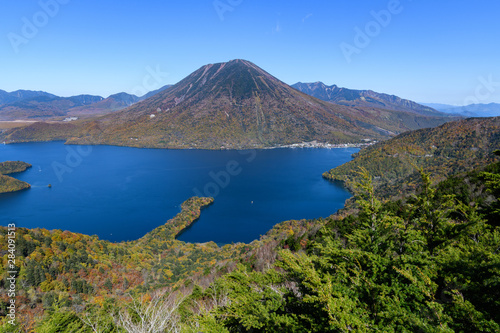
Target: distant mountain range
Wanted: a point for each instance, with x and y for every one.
(473, 110)
(363, 98)
(26, 104)
(18, 95)
(369, 98)
(238, 105)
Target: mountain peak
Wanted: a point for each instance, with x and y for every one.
(240, 64)
(237, 79)
(237, 104)
(243, 61)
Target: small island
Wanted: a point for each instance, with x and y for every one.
(9, 184)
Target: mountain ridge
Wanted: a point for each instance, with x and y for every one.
(27, 104)
(369, 98)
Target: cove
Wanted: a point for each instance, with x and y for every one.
(121, 193)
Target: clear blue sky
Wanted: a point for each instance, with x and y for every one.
(428, 51)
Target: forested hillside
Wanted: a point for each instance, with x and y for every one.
(64, 270)
(446, 150)
(427, 263)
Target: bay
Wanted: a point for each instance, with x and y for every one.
(121, 193)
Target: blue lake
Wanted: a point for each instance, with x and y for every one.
(122, 193)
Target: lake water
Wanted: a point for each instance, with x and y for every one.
(122, 193)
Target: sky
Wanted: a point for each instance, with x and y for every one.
(427, 51)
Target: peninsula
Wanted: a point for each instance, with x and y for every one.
(9, 184)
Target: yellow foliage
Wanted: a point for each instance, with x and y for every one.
(99, 300)
(168, 273)
(46, 286)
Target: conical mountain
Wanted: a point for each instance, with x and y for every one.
(239, 105)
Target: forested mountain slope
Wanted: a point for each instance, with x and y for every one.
(446, 150)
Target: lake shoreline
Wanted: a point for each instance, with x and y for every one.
(120, 192)
(136, 143)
